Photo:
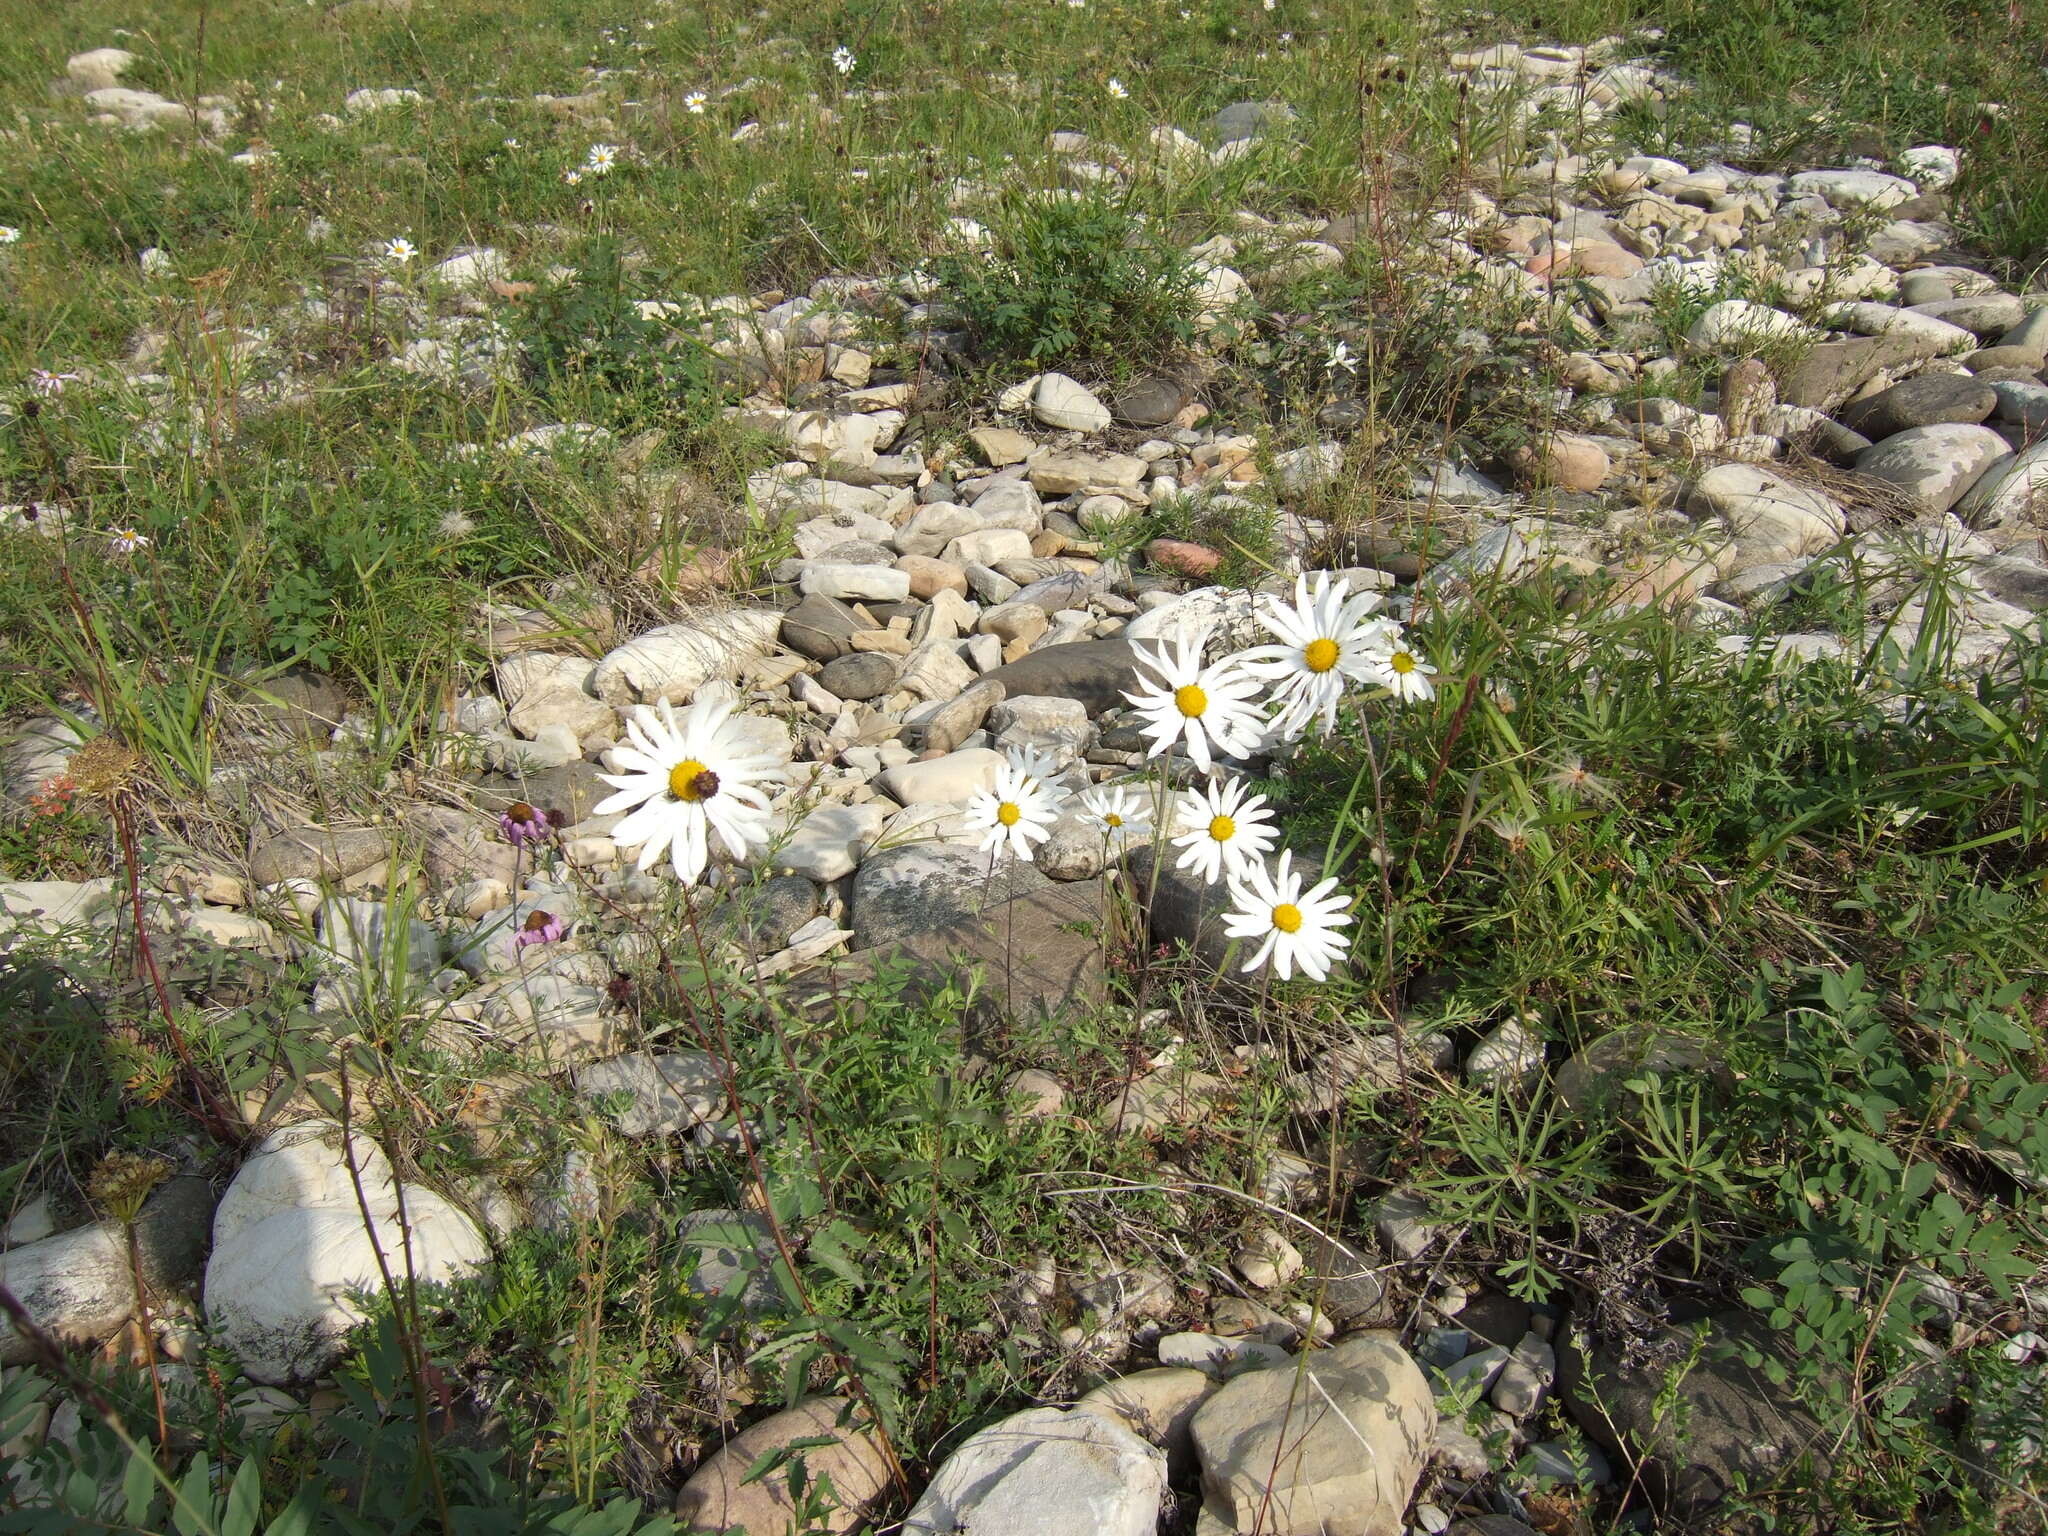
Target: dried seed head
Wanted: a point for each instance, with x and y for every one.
(123, 1180)
(104, 768)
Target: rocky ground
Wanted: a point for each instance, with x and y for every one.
(1863, 402)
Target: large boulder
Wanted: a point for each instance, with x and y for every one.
(1047, 1470)
(1332, 1447)
(292, 1252)
(1097, 672)
(1771, 518)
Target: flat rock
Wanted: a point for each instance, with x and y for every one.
(830, 842)
(675, 660)
(1924, 401)
(1729, 1427)
(1094, 671)
(1158, 1406)
(923, 890)
(1771, 518)
(317, 853)
(1046, 1469)
(654, 1095)
(860, 676)
(1935, 464)
(820, 628)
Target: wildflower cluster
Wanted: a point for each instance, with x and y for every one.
(695, 781)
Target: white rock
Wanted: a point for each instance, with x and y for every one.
(1218, 291)
(672, 662)
(1227, 615)
(1932, 337)
(1510, 1055)
(949, 780)
(470, 269)
(290, 1245)
(44, 906)
(98, 68)
(1771, 519)
(830, 842)
(936, 671)
(1854, 188)
(659, 1095)
(986, 547)
(1046, 1470)
(1062, 402)
(1932, 167)
(1739, 323)
(856, 583)
(2008, 491)
(359, 102)
(816, 436)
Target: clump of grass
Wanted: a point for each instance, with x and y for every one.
(1072, 279)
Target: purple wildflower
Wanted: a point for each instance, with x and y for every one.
(47, 384)
(539, 928)
(522, 824)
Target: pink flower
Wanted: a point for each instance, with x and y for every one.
(523, 824)
(539, 928)
(47, 384)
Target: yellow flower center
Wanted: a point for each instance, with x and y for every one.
(1319, 655)
(1287, 917)
(1222, 828)
(1008, 814)
(1191, 701)
(1112, 821)
(690, 780)
(1401, 662)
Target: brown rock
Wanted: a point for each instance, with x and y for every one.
(1565, 460)
(1603, 258)
(718, 1496)
(999, 446)
(1183, 558)
(959, 718)
(929, 576)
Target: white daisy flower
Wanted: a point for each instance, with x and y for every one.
(1116, 812)
(1294, 927)
(1220, 831)
(601, 159)
(696, 102)
(1397, 667)
(400, 249)
(125, 541)
(1326, 641)
(689, 776)
(1016, 813)
(843, 60)
(511, 143)
(1116, 88)
(1034, 763)
(1341, 356)
(9, 234)
(1209, 707)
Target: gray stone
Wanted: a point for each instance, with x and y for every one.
(1531, 1367)
(1596, 1072)
(1150, 401)
(1096, 672)
(952, 722)
(950, 780)
(1338, 1455)
(1923, 401)
(1249, 119)
(79, 1285)
(1724, 1425)
(737, 1260)
(1043, 1470)
(827, 845)
(2013, 579)
(1218, 1357)
(1987, 315)
(859, 676)
(2013, 490)
(317, 853)
(46, 906)
(1159, 1407)
(820, 628)
(2022, 403)
(657, 1095)
(1937, 465)
(855, 583)
(920, 891)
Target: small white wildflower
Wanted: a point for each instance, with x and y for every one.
(1013, 815)
(843, 60)
(9, 234)
(1396, 667)
(601, 159)
(1179, 699)
(511, 143)
(1117, 813)
(1294, 927)
(124, 541)
(1117, 89)
(1269, 4)
(687, 777)
(573, 177)
(400, 250)
(1220, 831)
(1341, 356)
(696, 102)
